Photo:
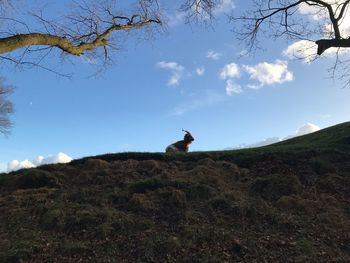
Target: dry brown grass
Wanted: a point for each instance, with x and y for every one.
(283, 205)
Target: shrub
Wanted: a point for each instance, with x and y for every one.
(334, 184)
(53, 219)
(35, 178)
(5, 180)
(297, 205)
(173, 199)
(321, 166)
(199, 192)
(128, 224)
(20, 251)
(85, 218)
(141, 202)
(96, 164)
(143, 186)
(223, 205)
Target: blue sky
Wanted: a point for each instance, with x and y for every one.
(191, 77)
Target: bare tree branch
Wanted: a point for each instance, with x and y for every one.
(200, 8)
(324, 44)
(18, 41)
(30, 38)
(281, 15)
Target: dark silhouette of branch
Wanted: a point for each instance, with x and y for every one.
(278, 16)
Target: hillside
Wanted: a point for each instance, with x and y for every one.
(288, 202)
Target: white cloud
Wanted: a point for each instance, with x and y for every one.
(213, 55)
(224, 7)
(176, 70)
(307, 51)
(230, 71)
(174, 79)
(201, 9)
(262, 143)
(38, 160)
(269, 73)
(200, 71)
(321, 16)
(170, 65)
(58, 158)
(345, 24)
(15, 165)
(265, 74)
(232, 88)
(303, 49)
(305, 129)
(314, 12)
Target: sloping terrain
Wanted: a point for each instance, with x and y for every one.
(288, 202)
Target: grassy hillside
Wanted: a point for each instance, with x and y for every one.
(288, 202)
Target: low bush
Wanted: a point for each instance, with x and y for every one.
(143, 186)
(35, 178)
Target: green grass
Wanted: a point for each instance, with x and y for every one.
(328, 141)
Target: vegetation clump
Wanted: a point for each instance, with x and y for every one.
(256, 205)
(275, 186)
(35, 178)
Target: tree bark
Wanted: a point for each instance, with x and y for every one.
(18, 41)
(324, 44)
